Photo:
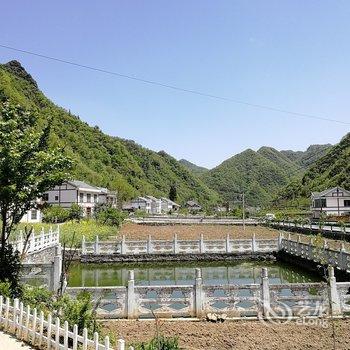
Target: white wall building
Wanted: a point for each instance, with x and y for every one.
(81, 193)
(156, 205)
(333, 202)
(32, 216)
(138, 203)
(168, 205)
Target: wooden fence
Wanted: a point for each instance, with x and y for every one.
(46, 332)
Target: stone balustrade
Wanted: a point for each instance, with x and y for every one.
(177, 246)
(338, 258)
(37, 242)
(233, 300)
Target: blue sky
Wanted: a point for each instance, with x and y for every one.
(292, 55)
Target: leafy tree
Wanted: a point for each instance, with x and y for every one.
(75, 212)
(107, 215)
(173, 193)
(28, 168)
(55, 214)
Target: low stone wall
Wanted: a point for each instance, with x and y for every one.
(131, 258)
(230, 300)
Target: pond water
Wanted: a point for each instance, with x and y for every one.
(243, 272)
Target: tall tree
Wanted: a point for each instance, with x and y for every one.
(173, 193)
(28, 166)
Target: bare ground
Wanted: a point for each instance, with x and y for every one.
(139, 231)
(242, 335)
(142, 231)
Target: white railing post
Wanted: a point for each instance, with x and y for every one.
(228, 244)
(34, 321)
(41, 328)
(31, 242)
(123, 245)
(280, 238)
(20, 321)
(65, 336)
(201, 244)
(7, 311)
(97, 246)
(254, 245)
(149, 245)
(96, 341)
(75, 338)
(49, 331)
(176, 248)
(130, 295)
(42, 238)
(57, 271)
(85, 338)
(57, 333)
(106, 342)
(121, 344)
(198, 294)
(342, 263)
(83, 245)
(333, 293)
(14, 315)
(265, 292)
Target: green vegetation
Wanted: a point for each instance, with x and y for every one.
(195, 169)
(259, 174)
(78, 310)
(330, 170)
(100, 159)
(159, 342)
(107, 215)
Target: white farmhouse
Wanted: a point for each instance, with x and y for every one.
(332, 202)
(138, 203)
(156, 205)
(81, 193)
(168, 205)
(32, 216)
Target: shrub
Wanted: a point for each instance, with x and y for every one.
(107, 215)
(10, 265)
(55, 214)
(75, 212)
(159, 342)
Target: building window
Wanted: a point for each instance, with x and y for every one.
(95, 198)
(320, 203)
(347, 203)
(88, 198)
(81, 197)
(33, 214)
(45, 197)
(56, 198)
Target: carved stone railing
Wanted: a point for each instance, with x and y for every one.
(324, 255)
(233, 300)
(37, 242)
(177, 246)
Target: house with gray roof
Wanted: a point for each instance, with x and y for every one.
(79, 192)
(331, 202)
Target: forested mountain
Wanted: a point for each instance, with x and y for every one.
(260, 174)
(330, 170)
(101, 159)
(198, 170)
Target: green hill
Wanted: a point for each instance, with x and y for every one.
(260, 174)
(195, 169)
(330, 170)
(101, 159)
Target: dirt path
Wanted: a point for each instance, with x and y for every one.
(242, 335)
(7, 342)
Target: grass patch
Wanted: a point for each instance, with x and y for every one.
(69, 229)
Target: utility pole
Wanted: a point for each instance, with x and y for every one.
(243, 206)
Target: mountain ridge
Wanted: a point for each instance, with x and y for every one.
(100, 159)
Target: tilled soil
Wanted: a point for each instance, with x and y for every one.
(140, 231)
(242, 335)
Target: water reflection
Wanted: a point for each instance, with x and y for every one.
(89, 275)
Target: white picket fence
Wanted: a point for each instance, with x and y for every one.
(37, 242)
(45, 333)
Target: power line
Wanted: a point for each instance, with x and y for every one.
(177, 88)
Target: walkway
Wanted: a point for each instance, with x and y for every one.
(10, 343)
